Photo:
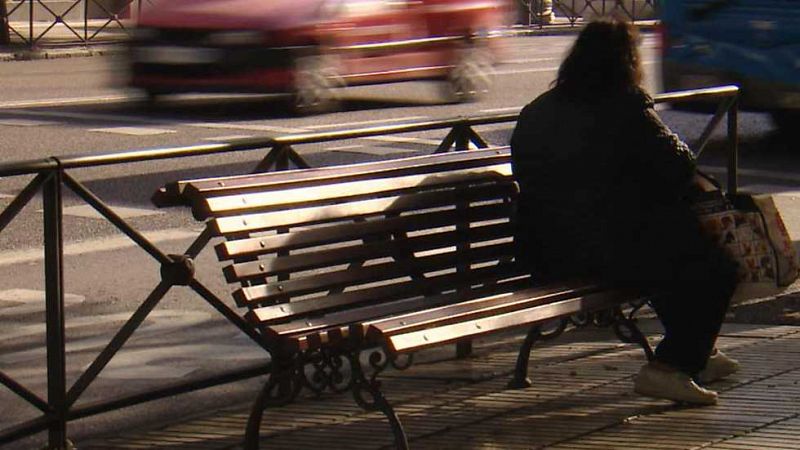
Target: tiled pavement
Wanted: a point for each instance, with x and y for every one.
(581, 399)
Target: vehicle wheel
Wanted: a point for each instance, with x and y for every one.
(472, 76)
(317, 78)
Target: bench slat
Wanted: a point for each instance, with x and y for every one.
(476, 308)
(348, 231)
(313, 331)
(194, 191)
(377, 294)
(387, 205)
(395, 271)
(359, 252)
(420, 339)
(243, 203)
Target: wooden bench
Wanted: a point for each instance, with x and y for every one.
(348, 270)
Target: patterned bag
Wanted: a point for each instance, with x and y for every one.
(753, 233)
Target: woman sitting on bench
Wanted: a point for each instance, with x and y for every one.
(603, 187)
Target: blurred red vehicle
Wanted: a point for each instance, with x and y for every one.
(308, 48)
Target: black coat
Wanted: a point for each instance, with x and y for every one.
(603, 184)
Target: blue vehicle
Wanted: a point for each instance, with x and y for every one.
(754, 44)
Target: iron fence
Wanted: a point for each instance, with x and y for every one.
(32, 23)
(51, 177)
(539, 13)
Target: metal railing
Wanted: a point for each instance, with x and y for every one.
(576, 10)
(32, 23)
(52, 175)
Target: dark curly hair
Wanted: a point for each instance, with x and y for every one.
(604, 59)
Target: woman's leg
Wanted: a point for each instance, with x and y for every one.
(693, 314)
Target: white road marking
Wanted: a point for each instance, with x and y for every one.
(502, 110)
(228, 138)
(124, 212)
(343, 147)
(132, 131)
(403, 139)
(96, 245)
(366, 122)
(248, 127)
(64, 101)
(378, 150)
(22, 123)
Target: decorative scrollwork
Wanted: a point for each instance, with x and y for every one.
(626, 330)
(606, 317)
(362, 385)
(403, 361)
(581, 319)
(549, 331)
(379, 360)
(326, 371)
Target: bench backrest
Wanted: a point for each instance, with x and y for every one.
(356, 241)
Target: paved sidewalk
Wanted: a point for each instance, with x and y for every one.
(581, 399)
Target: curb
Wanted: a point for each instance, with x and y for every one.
(58, 53)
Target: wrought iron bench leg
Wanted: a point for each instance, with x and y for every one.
(520, 379)
(627, 331)
(378, 402)
(281, 388)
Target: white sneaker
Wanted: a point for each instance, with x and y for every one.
(718, 366)
(654, 381)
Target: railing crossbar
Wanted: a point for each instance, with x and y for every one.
(712, 125)
(21, 200)
(25, 393)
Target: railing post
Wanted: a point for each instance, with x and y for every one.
(30, 22)
(462, 137)
(85, 21)
(5, 37)
(54, 305)
(733, 148)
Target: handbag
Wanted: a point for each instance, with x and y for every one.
(751, 230)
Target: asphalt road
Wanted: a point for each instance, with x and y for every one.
(70, 106)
